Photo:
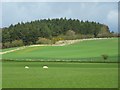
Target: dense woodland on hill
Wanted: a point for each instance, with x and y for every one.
(48, 31)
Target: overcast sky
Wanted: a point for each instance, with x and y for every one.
(103, 12)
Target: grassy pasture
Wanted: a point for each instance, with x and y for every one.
(85, 50)
(60, 75)
(63, 74)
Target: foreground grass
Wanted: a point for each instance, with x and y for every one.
(60, 75)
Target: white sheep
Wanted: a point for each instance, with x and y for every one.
(45, 67)
(26, 67)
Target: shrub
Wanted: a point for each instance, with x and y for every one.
(104, 35)
(87, 36)
(70, 35)
(43, 41)
(7, 45)
(55, 39)
(17, 43)
(105, 57)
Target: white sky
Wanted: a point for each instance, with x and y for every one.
(103, 11)
(59, 0)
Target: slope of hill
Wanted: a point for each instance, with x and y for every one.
(81, 51)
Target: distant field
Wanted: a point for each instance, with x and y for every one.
(85, 50)
(60, 75)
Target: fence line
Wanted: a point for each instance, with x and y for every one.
(95, 59)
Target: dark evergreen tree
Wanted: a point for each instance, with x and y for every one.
(29, 32)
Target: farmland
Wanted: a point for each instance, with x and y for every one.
(85, 50)
(72, 71)
(60, 75)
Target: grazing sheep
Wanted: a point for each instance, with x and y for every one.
(26, 67)
(45, 67)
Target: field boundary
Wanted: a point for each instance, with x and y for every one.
(60, 61)
(90, 59)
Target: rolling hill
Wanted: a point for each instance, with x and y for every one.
(91, 50)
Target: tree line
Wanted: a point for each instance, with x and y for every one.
(51, 30)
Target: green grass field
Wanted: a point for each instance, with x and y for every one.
(60, 75)
(86, 50)
(63, 74)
